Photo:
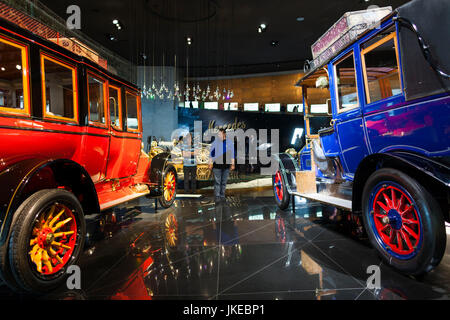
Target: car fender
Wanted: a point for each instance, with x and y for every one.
(23, 178)
(158, 165)
(432, 174)
(288, 167)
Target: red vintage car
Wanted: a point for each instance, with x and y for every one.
(70, 145)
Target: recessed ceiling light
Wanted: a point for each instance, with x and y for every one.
(3, 68)
(262, 27)
(300, 19)
(117, 23)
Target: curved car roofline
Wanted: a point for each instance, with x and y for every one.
(17, 31)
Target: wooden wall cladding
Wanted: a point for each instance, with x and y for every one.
(267, 89)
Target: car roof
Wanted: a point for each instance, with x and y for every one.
(311, 76)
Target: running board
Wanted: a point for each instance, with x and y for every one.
(327, 199)
(122, 199)
(193, 196)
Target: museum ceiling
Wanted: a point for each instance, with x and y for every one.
(224, 33)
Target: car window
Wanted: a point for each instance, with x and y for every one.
(380, 67)
(13, 77)
(96, 91)
(115, 112)
(59, 94)
(132, 112)
(345, 75)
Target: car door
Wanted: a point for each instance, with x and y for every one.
(96, 138)
(126, 132)
(347, 114)
(116, 145)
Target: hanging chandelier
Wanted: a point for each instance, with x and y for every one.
(171, 88)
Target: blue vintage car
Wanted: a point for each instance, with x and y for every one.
(386, 152)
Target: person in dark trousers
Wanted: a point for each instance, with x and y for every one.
(189, 164)
(221, 162)
(298, 143)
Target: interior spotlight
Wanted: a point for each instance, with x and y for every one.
(3, 69)
(18, 67)
(117, 23)
(262, 27)
(189, 41)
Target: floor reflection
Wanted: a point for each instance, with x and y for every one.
(243, 248)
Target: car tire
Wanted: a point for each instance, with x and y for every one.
(59, 210)
(169, 187)
(280, 192)
(403, 221)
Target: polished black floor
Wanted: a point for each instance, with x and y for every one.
(244, 248)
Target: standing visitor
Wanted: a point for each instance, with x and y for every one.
(221, 162)
(189, 164)
(298, 143)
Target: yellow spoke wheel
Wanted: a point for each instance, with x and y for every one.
(171, 230)
(53, 239)
(169, 187)
(47, 237)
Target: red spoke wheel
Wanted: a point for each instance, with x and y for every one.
(279, 190)
(47, 237)
(396, 220)
(403, 221)
(169, 187)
